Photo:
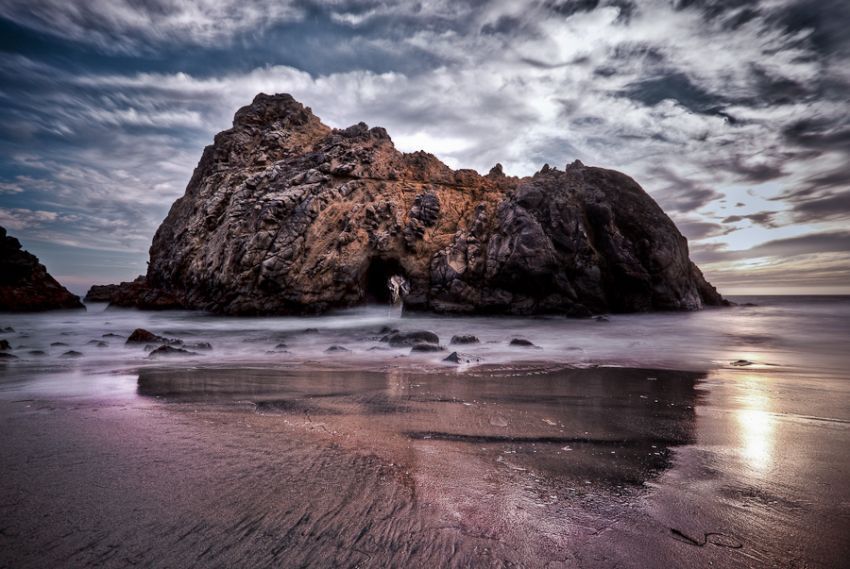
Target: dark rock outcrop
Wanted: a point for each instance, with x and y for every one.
(426, 347)
(142, 336)
(25, 285)
(460, 359)
(463, 339)
(167, 351)
(133, 294)
(286, 215)
(404, 339)
(101, 293)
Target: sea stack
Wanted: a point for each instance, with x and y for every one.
(25, 285)
(285, 215)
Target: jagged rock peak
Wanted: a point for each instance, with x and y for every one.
(25, 284)
(286, 215)
(496, 171)
(269, 109)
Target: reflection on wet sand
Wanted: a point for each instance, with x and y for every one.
(603, 427)
(756, 422)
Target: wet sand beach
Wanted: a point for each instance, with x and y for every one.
(522, 465)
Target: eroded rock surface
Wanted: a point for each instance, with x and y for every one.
(285, 215)
(25, 284)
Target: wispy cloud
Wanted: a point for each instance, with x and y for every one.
(130, 26)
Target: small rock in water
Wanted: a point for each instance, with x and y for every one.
(4, 345)
(72, 354)
(311, 330)
(522, 342)
(97, 343)
(465, 339)
(37, 353)
(426, 347)
(7, 329)
(58, 344)
(142, 336)
(387, 330)
(601, 318)
(458, 358)
(199, 346)
(741, 363)
(7, 356)
(403, 339)
(111, 335)
(170, 351)
(337, 349)
(281, 346)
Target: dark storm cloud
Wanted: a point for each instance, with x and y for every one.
(832, 206)
(676, 86)
(835, 241)
(695, 229)
(813, 244)
(681, 194)
(765, 218)
(819, 134)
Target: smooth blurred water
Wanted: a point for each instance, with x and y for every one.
(792, 333)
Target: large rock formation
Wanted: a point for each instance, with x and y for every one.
(25, 285)
(133, 294)
(286, 215)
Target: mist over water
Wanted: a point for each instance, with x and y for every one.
(791, 333)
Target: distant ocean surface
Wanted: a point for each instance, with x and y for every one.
(781, 333)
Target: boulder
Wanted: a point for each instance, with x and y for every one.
(142, 336)
(136, 294)
(404, 339)
(426, 347)
(25, 284)
(166, 351)
(285, 215)
(465, 339)
(101, 293)
(460, 359)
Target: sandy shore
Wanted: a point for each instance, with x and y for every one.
(498, 467)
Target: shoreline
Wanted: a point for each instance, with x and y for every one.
(270, 467)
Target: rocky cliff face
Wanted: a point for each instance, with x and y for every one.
(286, 215)
(25, 285)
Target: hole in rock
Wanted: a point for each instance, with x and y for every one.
(378, 275)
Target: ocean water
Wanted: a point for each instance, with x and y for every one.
(780, 333)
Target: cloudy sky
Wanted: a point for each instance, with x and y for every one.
(733, 114)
